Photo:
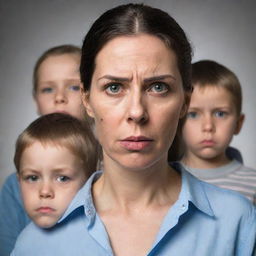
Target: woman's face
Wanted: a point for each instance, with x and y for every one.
(136, 99)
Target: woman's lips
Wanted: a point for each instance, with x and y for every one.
(136, 143)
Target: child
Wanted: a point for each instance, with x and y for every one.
(56, 82)
(54, 157)
(214, 116)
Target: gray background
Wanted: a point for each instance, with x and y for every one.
(222, 30)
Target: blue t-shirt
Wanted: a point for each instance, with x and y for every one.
(204, 221)
(13, 217)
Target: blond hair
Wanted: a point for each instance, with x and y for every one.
(64, 131)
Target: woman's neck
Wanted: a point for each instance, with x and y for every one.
(120, 188)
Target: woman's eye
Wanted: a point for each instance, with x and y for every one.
(192, 115)
(63, 178)
(74, 88)
(159, 87)
(220, 114)
(46, 90)
(113, 88)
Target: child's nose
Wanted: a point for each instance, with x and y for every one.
(208, 124)
(60, 97)
(46, 190)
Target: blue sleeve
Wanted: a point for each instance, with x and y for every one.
(13, 217)
(246, 244)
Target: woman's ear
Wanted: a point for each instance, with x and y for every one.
(184, 109)
(86, 101)
(239, 123)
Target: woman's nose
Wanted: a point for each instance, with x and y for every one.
(137, 109)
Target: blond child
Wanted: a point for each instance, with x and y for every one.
(56, 82)
(54, 157)
(214, 117)
(56, 88)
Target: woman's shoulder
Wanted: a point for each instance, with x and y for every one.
(226, 202)
(221, 201)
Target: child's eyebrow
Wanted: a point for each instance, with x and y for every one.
(31, 170)
(62, 170)
(70, 80)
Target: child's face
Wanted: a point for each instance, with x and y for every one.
(58, 87)
(211, 122)
(49, 178)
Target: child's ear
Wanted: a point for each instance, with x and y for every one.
(86, 101)
(239, 124)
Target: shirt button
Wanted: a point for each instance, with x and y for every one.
(183, 207)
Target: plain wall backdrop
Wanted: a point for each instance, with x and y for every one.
(221, 30)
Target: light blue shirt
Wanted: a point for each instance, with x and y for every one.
(204, 221)
(13, 217)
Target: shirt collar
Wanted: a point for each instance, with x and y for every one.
(193, 190)
(83, 198)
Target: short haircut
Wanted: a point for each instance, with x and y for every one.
(54, 51)
(61, 130)
(210, 73)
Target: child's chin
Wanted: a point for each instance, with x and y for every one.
(45, 224)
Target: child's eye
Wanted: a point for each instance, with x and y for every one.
(159, 87)
(192, 115)
(74, 88)
(63, 178)
(31, 178)
(46, 90)
(220, 114)
(113, 88)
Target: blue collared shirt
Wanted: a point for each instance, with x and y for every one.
(205, 220)
(13, 217)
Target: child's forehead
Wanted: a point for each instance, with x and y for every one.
(49, 143)
(211, 96)
(210, 88)
(59, 58)
(59, 68)
(51, 148)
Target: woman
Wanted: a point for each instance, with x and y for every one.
(135, 70)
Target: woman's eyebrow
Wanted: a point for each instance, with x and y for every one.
(149, 79)
(161, 77)
(115, 78)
